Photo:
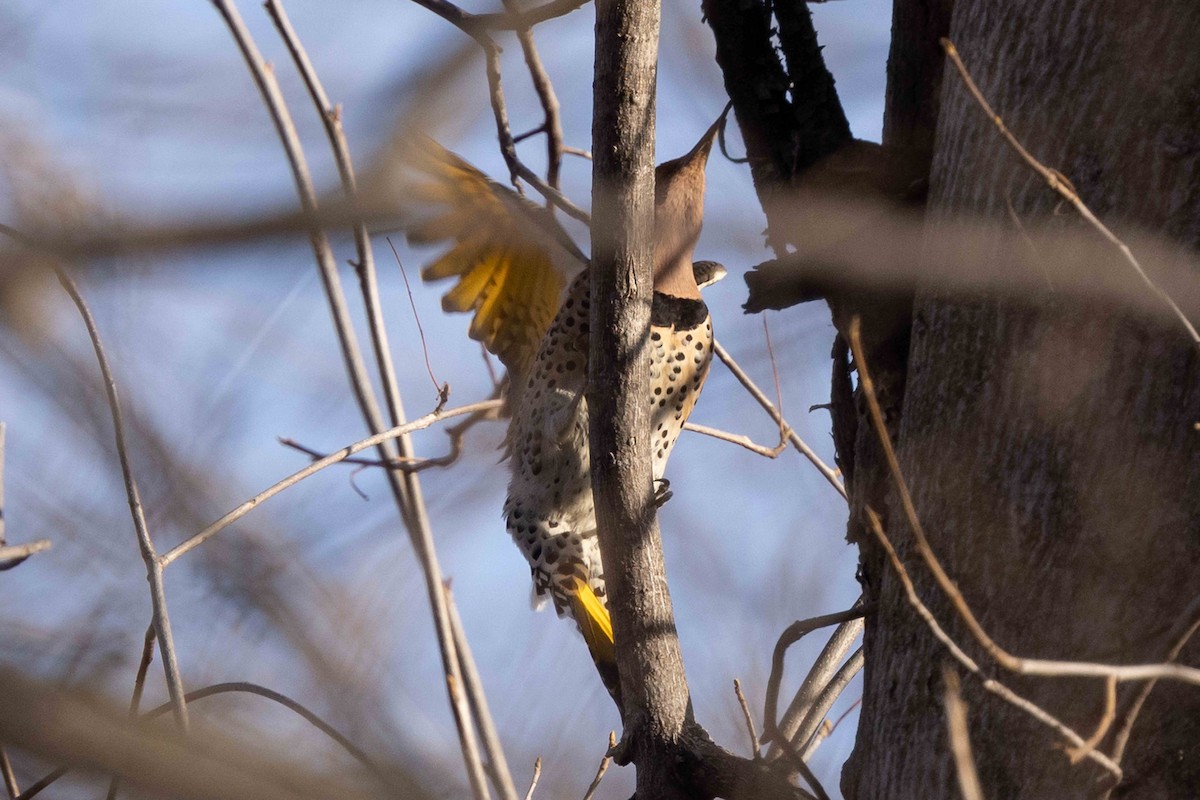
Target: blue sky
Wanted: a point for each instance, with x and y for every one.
(148, 108)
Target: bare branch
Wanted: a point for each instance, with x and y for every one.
(1058, 183)
(533, 782)
(1106, 719)
(806, 735)
(508, 146)
(960, 740)
(339, 455)
(154, 568)
(738, 439)
(746, 715)
(829, 474)
(823, 670)
(604, 765)
(792, 634)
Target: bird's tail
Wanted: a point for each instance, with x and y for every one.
(595, 624)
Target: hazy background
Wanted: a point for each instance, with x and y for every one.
(148, 110)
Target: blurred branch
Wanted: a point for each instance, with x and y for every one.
(154, 567)
(86, 733)
(516, 20)
(1059, 183)
(770, 408)
(497, 765)
(960, 740)
(1021, 666)
(10, 778)
(139, 684)
(339, 455)
(11, 556)
(405, 489)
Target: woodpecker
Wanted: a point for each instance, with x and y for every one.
(504, 257)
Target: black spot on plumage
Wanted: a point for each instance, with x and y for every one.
(536, 552)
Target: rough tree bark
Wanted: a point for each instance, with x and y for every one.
(1051, 452)
(649, 661)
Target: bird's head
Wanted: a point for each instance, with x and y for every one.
(679, 215)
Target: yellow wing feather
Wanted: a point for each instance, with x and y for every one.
(501, 258)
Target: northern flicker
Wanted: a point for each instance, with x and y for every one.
(504, 258)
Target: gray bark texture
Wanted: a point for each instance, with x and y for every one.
(1051, 450)
(654, 689)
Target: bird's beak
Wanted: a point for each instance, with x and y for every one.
(699, 153)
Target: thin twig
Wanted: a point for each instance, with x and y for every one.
(738, 439)
(552, 124)
(1190, 622)
(437, 385)
(755, 747)
(1021, 666)
(960, 739)
(537, 774)
(1106, 719)
(604, 765)
(991, 685)
(240, 511)
(457, 434)
(770, 408)
(827, 729)
(1055, 180)
(154, 569)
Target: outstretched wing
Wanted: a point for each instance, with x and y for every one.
(503, 254)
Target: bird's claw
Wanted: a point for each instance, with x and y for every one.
(662, 492)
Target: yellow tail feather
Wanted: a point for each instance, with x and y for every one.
(594, 622)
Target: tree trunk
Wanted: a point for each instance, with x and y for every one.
(1051, 452)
